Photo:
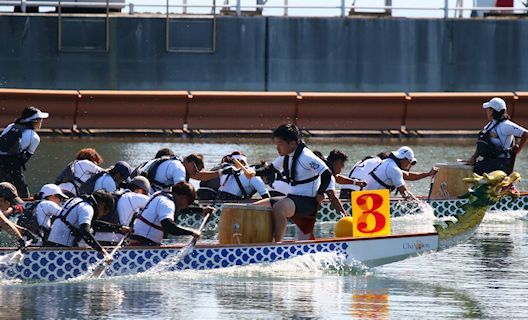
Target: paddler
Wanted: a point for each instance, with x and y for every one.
(392, 172)
(86, 164)
(166, 171)
(236, 186)
(128, 203)
(158, 216)
(388, 171)
(76, 219)
(308, 176)
(109, 180)
(10, 202)
(496, 145)
(18, 142)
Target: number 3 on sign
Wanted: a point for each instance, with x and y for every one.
(371, 213)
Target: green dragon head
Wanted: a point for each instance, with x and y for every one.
(483, 191)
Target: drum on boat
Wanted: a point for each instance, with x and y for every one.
(448, 182)
(243, 223)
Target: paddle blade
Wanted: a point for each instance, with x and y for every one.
(12, 258)
(99, 271)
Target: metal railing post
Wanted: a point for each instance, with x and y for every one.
(167, 27)
(342, 8)
(107, 43)
(238, 7)
(446, 9)
(59, 27)
(184, 6)
(285, 8)
(388, 3)
(23, 5)
(131, 8)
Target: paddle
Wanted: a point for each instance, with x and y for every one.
(101, 268)
(15, 257)
(431, 188)
(243, 168)
(200, 229)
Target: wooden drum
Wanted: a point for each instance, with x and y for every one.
(448, 183)
(243, 223)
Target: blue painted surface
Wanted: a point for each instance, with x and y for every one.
(268, 53)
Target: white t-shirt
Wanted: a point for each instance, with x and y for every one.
(29, 140)
(504, 133)
(83, 170)
(308, 166)
(44, 211)
(332, 184)
(105, 182)
(170, 172)
(249, 185)
(160, 208)
(129, 203)
(361, 170)
(280, 186)
(81, 214)
(388, 172)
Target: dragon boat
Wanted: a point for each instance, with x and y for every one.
(52, 264)
(443, 208)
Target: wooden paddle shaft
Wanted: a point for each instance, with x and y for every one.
(241, 166)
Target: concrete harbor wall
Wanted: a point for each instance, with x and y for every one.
(263, 54)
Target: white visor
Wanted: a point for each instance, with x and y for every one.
(36, 116)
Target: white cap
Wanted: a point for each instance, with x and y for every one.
(51, 189)
(496, 104)
(405, 153)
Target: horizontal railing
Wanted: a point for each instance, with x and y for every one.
(308, 8)
(211, 110)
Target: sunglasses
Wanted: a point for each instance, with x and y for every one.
(196, 170)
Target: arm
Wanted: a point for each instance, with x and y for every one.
(326, 177)
(10, 227)
(405, 193)
(26, 156)
(336, 203)
(473, 158)
(413, 176)
(259, 185)
(171, 227)
(522, 141)
(341, 179)
(208, 175)
(84, 232)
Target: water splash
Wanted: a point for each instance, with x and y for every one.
(173, 259)
(419, 217)
(505, 216)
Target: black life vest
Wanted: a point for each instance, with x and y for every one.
(88, 186)
(485, 146)
(10, 141)
(75, 232)
(67, 175)
(290, 175)
(150, 171)
(28, 219)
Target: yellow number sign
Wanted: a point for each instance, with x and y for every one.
(371, 213)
